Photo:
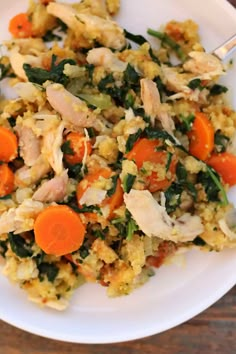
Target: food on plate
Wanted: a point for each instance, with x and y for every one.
(116, 155)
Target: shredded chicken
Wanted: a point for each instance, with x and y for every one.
(106, 58)
(74, 111)
(22, 218)
(51, 147)
(155, 222)
(26, 176)
(17, 60)
(29, 145)
(53, 190)
(206, 66)
(105, 31)
(152, 105)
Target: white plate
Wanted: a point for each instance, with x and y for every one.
(175, 294)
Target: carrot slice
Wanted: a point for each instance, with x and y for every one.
(8, 145)
(113, 201)
(145, 150)
(59, 230)
(201, 137)
(20, 26)
(225, 164)
(77, 143)
(6, 180)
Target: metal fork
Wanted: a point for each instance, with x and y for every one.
(226, 49)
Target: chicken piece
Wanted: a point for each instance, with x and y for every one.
(33, 46)
(105, 31)
(93, 196)
(20, 219)
(27, 176)
(154, 221)
(74, 111)
(17, 60)
(7, 221)
(206, 66)
(26, 214)
(174, 80)
(29, 145)
(152, 105)
(106, 58)
(51, 147)
(53, 190)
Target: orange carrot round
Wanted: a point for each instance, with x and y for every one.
(20, 26)
(78, 143)
(201, 137)
(225, 164)
(6, 180)
(113, 201)
(8, 145)
(59, 230)
(145, 150)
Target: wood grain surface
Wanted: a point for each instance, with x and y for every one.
(212, 332)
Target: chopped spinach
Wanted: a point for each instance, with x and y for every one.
(5, 197)
(87, 209)
(19, 246)
(166, 40)
(62, 27)
(3, 248)
(66, 148)
(186, 123)
(5, 71)
(90, 70)
(132, 140)
(75, 171)
(55, 74)
(198, 241)
(169, 159)
(129, 101)
(83, 251)
(50, 270)
(50, 36)
(136, 38)
(128, 182)
(173, 197)
(131, 228)
(218, 89)
(126, 226)
(195, 84)
(131, 76)
(220, 141)
(12, 121)
(112, 190)
(159, 134)
(212, 190)
(91, 132)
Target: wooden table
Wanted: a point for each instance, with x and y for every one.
(212, 332)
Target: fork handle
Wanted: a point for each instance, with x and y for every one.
(226, 49)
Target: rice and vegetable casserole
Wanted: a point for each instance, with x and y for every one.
(116, 155)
